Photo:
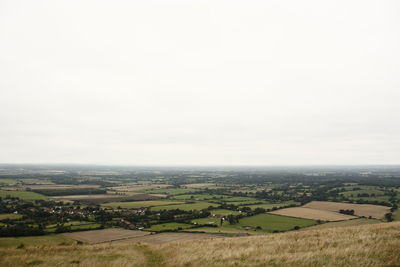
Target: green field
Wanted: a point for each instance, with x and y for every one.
(168, 226)
(22, 195)
(35, 240)
(140, 204)
(396, 215)
(211, 221)
(270, 206)
(189, 206)
(224, 212)
(10, 216)
(75, 225)
(8, 181)
(171, 192)
(270, 222)
(201, 197)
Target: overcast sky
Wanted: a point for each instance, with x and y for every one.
(200, 82)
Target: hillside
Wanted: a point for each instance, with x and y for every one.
(366, 245)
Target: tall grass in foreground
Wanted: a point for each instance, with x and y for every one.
(367, 245)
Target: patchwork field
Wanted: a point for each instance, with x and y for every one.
(313, 214)
(141, 204)
(366, 210)
(106, 235)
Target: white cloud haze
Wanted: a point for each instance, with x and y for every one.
(200, 82)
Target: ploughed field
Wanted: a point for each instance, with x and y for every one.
(130, 236)
(106, 235)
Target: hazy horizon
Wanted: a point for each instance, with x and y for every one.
(200, 83)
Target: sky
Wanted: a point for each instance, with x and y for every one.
(200, 82)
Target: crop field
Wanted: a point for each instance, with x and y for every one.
(22, 195)
(313, 214)
(163, 238)
(366, 210)
(141, 204)
(354, 222)
(189, 206)
(224, 230)
(168, 227)
(10, 216)
(53, 239)
(106, 235)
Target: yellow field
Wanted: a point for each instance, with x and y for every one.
(375, 211)
(367, 245)
(313, 214)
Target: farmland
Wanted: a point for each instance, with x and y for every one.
(313, 214)
(366, 210)
(165, 206)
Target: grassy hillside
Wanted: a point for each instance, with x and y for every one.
(365, 245)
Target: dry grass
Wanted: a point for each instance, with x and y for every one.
(313, 214)
(366, 245)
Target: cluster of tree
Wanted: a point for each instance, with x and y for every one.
(20, 230)
(70, 191)
(348, 212)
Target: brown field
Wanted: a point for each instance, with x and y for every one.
(374, 245)
(313, 214)
(106, 235)
(164, 238)
(366, 210)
